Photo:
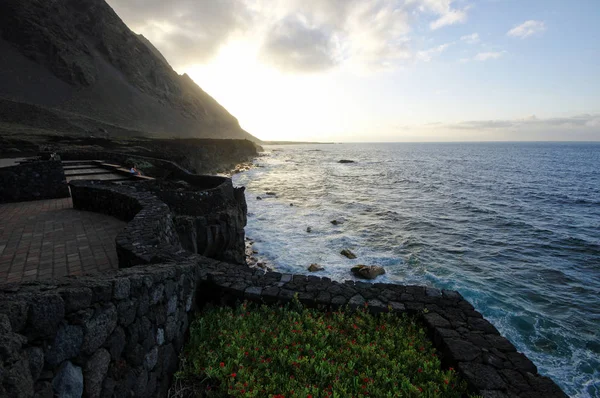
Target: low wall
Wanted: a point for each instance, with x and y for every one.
(100, 336)
(33, 181)
(119, 335)
(209, 222)
(150, 235)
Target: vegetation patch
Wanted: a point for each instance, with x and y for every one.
(291, 351)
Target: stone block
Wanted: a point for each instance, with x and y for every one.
(68, 382)
(435, 321)
(95, 371)
(521, 362)
(66, 345)
(98, 328)
(35, 355)
(116, 343)
(127, 311)
(17, 380)
(151, 358)
(76, 299)
(46, 312)
(121, 288)
(460, 350)
(482, 377)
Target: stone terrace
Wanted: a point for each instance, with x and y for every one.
(50, 239)
(119, 333)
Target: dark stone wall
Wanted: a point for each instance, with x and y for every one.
(102, 336)
(150, 235)
(33, 181)
(209, 222)
(119, 335)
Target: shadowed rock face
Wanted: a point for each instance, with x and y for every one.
(78, 56)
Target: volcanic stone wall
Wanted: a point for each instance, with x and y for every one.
(120, 334)
(33, 181)
(101, 336)
(209, 222)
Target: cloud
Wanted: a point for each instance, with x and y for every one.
(294, 46)
(489, 55)
(470, 39)
(585, 121)
(293, 35)
(426, 55)
(450, 18)
(527, 28)
(185, 31)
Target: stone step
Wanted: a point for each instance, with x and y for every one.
(80, 167)
(88, 171)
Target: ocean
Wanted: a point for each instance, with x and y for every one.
(514, 227)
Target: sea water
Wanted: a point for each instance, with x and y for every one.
(514, 227)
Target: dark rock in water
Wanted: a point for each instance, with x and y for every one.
(348, 253)
(315, 268)
(336, 222)
(367, 271)
(308, 229)
(258, 198)
(270, 193)
(346, 161)
(291, 204)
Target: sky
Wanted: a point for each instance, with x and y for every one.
(388, 70)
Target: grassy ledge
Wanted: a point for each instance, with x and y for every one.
(292, 351)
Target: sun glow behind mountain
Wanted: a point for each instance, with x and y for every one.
(387, 70)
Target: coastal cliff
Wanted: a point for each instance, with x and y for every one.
(76, 62)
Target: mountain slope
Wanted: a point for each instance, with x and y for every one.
(78, 57)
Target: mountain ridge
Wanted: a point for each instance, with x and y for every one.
(78, 56)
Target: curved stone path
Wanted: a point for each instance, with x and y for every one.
(49, 239)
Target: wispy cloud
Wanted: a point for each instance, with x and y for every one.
(427, 55)
(527, 28)
(471, 39)
(591, 121)
(449, 18)
(485, 56)
(584, 127)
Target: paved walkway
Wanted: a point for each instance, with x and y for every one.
(48, 238)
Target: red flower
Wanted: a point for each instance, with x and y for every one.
(233, 374)
(420, 370)
(222, 364)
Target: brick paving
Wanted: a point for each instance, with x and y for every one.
(50, 239)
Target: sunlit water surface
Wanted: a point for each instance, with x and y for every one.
(514, 227)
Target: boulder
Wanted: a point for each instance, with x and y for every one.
(367, 271)
(347, 253)
(335, 222)
(308, 229)
(346, 161)
(315, 268)
(269, 193)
